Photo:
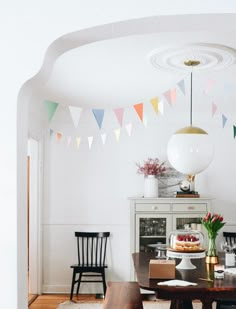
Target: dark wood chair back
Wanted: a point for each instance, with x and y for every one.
(230, 238)
(92, 248)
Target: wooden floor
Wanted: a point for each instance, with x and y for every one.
(51, 301)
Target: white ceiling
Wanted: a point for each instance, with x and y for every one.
(118, 72)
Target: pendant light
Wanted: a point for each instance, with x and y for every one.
(190, 149)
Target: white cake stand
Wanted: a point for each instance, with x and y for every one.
(186, 258)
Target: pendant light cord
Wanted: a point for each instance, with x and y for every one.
(191, 100)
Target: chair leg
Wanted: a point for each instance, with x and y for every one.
(72, 284)
(79, 280)
(104, 282)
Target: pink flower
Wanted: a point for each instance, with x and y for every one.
(151, 167)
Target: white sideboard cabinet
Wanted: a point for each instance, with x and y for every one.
(152, 219)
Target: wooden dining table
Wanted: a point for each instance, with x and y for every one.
(207, 290)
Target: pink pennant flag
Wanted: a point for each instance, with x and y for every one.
(214, 108)
(119, 112)
(68, 141)
(173, 95)
(129, 128)
(167, 95)
(210, 83)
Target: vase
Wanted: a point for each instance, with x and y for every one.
(211, 254)
(150, 186)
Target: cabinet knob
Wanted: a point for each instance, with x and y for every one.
(155, 207)
(191, 207)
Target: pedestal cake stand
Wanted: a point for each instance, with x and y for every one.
(186, 258)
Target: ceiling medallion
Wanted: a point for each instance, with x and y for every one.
(210, 56)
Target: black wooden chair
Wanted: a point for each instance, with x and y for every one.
(91, 259)
(230, 238)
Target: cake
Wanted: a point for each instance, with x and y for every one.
(186, 242)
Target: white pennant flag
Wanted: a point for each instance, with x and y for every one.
(129, 128)
(117, 134)
(103, 137)
(75, 113)
(90, 141)
(145, 121)
(68, 141)
(161, 107)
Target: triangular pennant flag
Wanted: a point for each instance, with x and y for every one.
(129, 128)
(167, 95)
(103, 137)
(50, 108)
(117, 134)
(145, 121)
(78, 141)
(234, 131)
(68, 141)
(90, 141)
(224, 120)
(154, 103)
(161, 107)
(99, 114)
(214, 108)
(75, 113)
(139, 110)
(181, 85)
(119, 112)
(173, 95)
(209, 85)
(59, 136)
(50, 132)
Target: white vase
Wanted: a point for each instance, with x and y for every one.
(150, 186)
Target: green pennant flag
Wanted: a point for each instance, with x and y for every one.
(50, 108)
(234, 131)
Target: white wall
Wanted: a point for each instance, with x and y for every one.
(27, 31)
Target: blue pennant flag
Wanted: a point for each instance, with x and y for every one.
(99, 114)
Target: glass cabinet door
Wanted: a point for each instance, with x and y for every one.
(150, 230)
(182, 221)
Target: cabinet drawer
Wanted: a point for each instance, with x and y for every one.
(152, 207)
(190, 207)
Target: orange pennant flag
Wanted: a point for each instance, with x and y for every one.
(59, 136)
(154, 103)
(139, 110)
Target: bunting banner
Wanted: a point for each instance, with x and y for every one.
(68, 141)
(173, 95)
(59, 136)
(78, 141)
(210, 83)
(167, 95)
(75, 113)
(214, 108)
(181, 85)
(161, 107)
(139, 110)
(119, 112)
(234, 130)
(98, 114)
(103, 138)
(90, 141)
(50, 108)
(117, 134)
(224, 120)
(129, 128)
(154, 103)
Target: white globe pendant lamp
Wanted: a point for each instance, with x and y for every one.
(190, 149)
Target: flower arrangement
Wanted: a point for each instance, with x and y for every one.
(151, 167)
(212, 223)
